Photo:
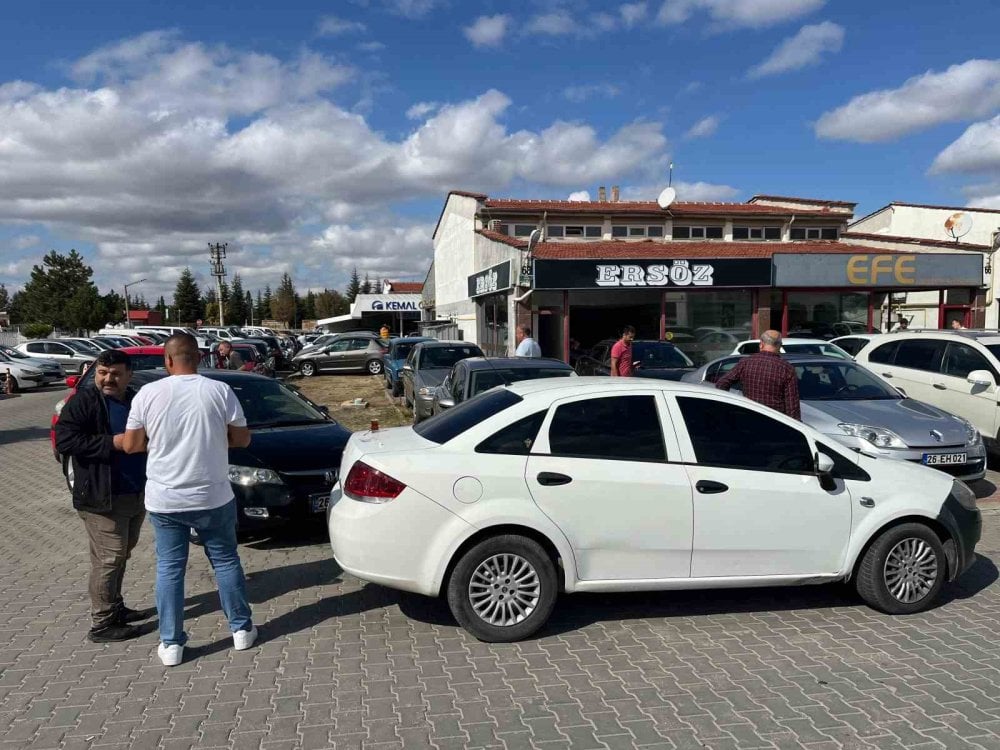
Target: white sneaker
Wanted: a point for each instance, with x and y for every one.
(171, 656)
(244, 639)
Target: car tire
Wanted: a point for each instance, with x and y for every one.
(308, 369)
(397, 389)
(478, 609)
(374, 367)
(903, 570)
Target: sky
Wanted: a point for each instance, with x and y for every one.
(319, 137)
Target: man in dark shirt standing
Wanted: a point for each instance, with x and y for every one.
(766, 378)
(107, 489)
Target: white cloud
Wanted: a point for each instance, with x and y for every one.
(806, 48)
(584, 92)
(632, 14)
(24, 241)
(488, 31)
(411, 8)
(560, 22)
(705, 127)
(976, 150)
(384, 250)
(371, 46)
(579, 195)
(966, 91)
(686, 191)
(728, 14)
(335, 26)
(420, 110)
(164, 151)
(556, 23)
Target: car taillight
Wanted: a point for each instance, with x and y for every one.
(370, 485)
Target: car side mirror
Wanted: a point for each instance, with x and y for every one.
(324, 410)
(980, 377)
(824, 470)
(446, 403)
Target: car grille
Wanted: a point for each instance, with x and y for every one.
(311, 481)
(958, 470)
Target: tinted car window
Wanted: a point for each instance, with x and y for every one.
(719, 369)
(751, 347)
(884, 354)
(483, 380)
(728, 435)
(920, 354)
(659, 354)
(843, 468)
(36, 348)
(852, 346)
(451, 423)
(515, 439)
(402, 350)
(623, 428)
(447, 356)
(961, 359)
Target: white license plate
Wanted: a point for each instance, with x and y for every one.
(318, 503)
(942, 459)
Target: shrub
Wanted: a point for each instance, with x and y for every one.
(36, 330)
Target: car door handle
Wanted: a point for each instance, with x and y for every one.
(886, 374)
(552, 479)
(940, 386)
(706, 487)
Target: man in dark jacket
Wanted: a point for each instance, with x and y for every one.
(107, 489)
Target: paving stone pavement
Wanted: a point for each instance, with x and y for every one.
(345, 664)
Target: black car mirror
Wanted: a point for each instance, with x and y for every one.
(324, 409)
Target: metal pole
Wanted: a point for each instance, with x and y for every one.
(128, 322)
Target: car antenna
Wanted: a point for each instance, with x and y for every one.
(496, 372)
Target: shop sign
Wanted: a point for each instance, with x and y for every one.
(878, 270)
(385, 303)
(679, 273)
(491, 280)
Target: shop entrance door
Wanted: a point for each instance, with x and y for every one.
(550, 332)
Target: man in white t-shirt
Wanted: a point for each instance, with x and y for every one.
(526, 346)
(187, 423)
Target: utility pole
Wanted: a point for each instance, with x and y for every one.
(217, 253)
(128, 313)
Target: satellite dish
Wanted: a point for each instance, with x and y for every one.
(958, 225)
(668, 196)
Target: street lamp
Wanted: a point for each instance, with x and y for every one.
(128, 322)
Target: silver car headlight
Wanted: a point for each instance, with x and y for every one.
(877, 436)
(972, 436)
(250, 475)
(30, 371)
(965, 497)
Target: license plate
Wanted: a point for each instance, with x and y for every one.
(318, 503)
(943, 459)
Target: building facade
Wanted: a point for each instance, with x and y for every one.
(576, 272)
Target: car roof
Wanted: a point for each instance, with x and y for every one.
(409, 339)
(434, 343)
(789, 340)
(142, 349)
(599, 385)
(521, 363)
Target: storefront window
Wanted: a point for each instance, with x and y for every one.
(493, 325)
(826, 315)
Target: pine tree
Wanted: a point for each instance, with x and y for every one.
(265, 311)
(187, 299)
(259, 308)
(250, 310)
(309, 306)
(161, 305)
(283, 306)
(353, 286)
(366, 287)
(4, 298)
(236, 310)
(51, 286)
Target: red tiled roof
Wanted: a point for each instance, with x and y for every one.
(678, 209)
(506, 239)
(688, 249)
(406, 287)
(923, 241)
(789, 199)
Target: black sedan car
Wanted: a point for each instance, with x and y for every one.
(651, 359)
(472, 376)
(427, 365)
(287, 471)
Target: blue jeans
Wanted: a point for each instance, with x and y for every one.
(217, 529)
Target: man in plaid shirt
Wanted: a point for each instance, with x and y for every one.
(766, 378)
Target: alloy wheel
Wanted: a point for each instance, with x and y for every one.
(504, 590)
(911, 569)
(375, 367)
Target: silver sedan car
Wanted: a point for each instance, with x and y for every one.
(855, 406)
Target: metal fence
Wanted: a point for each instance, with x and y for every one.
(11, 338)
(442, 331)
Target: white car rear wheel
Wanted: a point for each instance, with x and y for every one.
(503, 589)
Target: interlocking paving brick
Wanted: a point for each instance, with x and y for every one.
(346, 664)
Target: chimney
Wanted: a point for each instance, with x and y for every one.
(602, 194)
(614, 193)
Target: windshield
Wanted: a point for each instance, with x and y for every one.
(267, 403)
(824, 350)
(452, 423)
(146, 361)
(402, 349)
(659, 354)
(79, 346)
(447, 356)
(483, 380)
(994, 349)
(841, 381)
(13, 353)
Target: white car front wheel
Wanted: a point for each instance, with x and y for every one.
(503, 589)
(903, 571)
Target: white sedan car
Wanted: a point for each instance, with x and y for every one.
(797, 346)
(623, 485)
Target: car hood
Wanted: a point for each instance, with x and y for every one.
(295, 448)
(431, 376)
(912, 420)
(38, 363)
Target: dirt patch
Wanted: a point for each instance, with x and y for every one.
(333, 390)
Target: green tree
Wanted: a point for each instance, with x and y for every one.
(283, 305)
(259, 308)
(85, 310)
(329, 303)
(4, 298)
(309, 306)
(236, 304)
(265, 309)
(52, 284)
(366, 287)
(353, 287)
(250, 309)
(113, 307)
(161, 305)
(187, 299)
(210, 305)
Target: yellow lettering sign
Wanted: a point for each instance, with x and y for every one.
(876, 270)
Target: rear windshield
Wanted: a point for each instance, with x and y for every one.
(447, 356)
(451, 423)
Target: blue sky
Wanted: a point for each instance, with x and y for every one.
(317, 139)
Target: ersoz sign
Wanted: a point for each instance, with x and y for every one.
(677, 273)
